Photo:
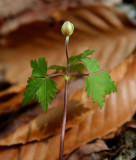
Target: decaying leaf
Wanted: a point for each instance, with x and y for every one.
(101, 28)
(11, 102)
(87, 149)
(11, 98)
(113, 38)
(14, 13)
(89, 125)
(96, 124)
(90, 122)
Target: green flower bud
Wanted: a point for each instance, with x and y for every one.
(67, 28)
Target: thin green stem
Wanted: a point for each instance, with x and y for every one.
(64, 121)
(66, 46)
(65, 103)
(55, 75)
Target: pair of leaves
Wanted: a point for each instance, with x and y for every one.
(98, 84)
(75, 66)
(42, 89)
(77, 58)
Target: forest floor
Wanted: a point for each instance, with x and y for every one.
(119, 145)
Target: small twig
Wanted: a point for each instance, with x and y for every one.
(52, 75)
(55, 75)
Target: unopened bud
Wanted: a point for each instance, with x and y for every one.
(67, 28)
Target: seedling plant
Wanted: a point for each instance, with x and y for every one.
(43, 88)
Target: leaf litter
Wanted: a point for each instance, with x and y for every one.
(122, 146)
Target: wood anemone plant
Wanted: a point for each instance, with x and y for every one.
(42, 87)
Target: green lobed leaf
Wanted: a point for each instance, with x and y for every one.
(39, 67)
(46, 92)
(77, 58)
(91, 65)
(58, 68)
(78, 67)
(42, 89)
(33, 84)
(98, 84)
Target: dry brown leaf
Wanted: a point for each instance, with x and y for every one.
(44, 121)
(14, 13)
(131, 124)
(119, 103)
(11, 98)
(13, 89)
(97, 146)
(111, 135)
(13, 121)
(105, 29)
(91, 119)
(14, 7)
(112, 39)
(11, 102)
(118, 109)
